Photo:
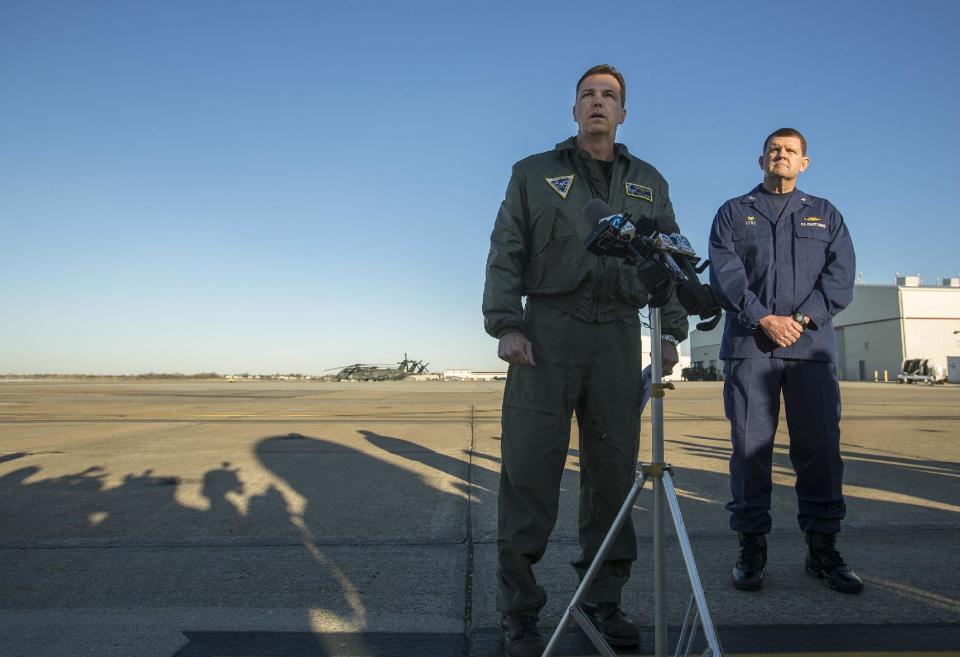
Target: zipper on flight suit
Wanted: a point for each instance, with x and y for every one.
(598, 190)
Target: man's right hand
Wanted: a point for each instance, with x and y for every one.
(515, 349)
(784, 331)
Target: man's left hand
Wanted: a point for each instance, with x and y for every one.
(668, 356)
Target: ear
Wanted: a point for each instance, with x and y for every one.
(804, 163)
(623, 115)
(760, 162)
(574, 113)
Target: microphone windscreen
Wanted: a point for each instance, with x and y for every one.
(595, 210)
(645, 226)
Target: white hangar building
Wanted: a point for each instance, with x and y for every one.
(883, 326)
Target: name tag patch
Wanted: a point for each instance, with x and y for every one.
(637, 190)
(812, 222)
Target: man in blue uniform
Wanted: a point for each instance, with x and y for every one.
(783, 266)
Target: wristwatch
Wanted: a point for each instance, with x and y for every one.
(800, 318)
(666, 337)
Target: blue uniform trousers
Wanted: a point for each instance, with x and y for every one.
(811, 394)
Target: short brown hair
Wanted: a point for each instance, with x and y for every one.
(606, 69)
(787, 132)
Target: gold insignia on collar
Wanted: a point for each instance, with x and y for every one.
(561, 184)
(638, 191)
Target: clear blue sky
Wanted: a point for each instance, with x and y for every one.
(292, 186)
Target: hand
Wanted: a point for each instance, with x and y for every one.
(668, 356)
(782, 330)
(515, 349)
(698, 299)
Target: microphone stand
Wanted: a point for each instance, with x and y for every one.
(664, 498)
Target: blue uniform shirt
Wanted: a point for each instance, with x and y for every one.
(762, 265)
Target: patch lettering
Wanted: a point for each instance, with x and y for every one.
(812, 222)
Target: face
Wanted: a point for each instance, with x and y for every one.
(598, 110)
(784, 158)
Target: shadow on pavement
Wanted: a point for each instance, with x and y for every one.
(324, 494)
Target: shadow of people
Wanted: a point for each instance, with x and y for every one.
(12, 456)
(337, 528)
(311, 524)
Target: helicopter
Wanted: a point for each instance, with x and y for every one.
(371, 372)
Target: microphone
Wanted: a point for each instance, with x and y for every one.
(595, 210)
(613, 232)
(662, 259)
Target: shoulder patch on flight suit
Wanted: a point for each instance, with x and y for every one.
(638, 191)
(561, 184)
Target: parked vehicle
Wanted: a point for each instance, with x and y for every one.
(919, 370)
(700, 374)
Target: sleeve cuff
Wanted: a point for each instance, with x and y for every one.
(816, 320)
(752, 314)
(509, 329)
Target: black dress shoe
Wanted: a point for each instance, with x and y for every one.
(751, 562)
(613, 624)
(825, 562)
(521, 638)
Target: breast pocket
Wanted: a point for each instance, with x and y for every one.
(753, 243)
(555, 256)
(811, 247)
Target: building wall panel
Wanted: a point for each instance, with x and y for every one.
(876, 344)
(870, 303)
(933, 339)
(707, 355)
(930, 302)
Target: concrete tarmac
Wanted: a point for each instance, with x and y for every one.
(202, 519)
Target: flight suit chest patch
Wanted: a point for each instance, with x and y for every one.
(637, 190)
(561, 184)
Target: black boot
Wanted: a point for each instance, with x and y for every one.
(825, 562)
(751, 561)
(521, 638)
(616, 628)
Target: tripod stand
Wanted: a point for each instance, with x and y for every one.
(664, 497)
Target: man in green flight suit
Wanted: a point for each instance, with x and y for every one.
(574, 348)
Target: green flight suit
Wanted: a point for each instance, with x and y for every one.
(581, 318)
